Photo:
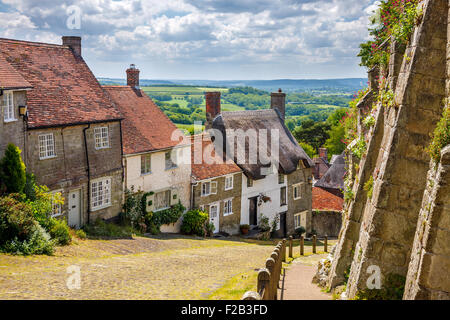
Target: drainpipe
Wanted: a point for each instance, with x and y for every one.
(192, 194)
(88, 173)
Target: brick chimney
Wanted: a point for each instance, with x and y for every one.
(278, 101)
(323, 153)
(74, 43)
(133, 77)
(212, 107)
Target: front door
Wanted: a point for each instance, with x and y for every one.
(74, 218)
(214, 217)
(253, 211)
(283, 224)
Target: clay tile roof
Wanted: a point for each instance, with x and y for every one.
(10, 78)
(290, 152)
(145, 127)
(334, 177)
(324, 200)
(65, 92)
(208, 167)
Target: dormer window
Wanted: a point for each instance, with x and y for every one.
(101, 137)
(8, 114)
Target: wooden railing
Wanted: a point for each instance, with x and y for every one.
(269, 277)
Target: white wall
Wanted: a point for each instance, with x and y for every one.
(161, 179)
(269, 187)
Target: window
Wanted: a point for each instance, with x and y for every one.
(297, 220)
(228, 207)
(162, 200)
(283, 197)
(171, 160)
(229, 183)
(213, 211)
(280, 178)
(297, 191)
(101, 138)
(56, 207)
(9, 107)
(146, 164)
(249, 182)
(101, 193)
(209, 188)
(46, 146)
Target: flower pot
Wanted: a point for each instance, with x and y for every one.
(244, 231)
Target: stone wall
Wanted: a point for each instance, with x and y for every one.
(379, 231)
(326, 223)
(13, 132)
(231, 223)
(299, 205)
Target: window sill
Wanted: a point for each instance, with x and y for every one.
(146, 174)
(298, 198)
(56, 215)
(229, 189)
(10, 120)
(162, 209)
(102, 148)
(227, 214)
(47, 158)
(102, 207)
(171, 168)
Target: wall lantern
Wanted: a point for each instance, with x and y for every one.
(22, 110)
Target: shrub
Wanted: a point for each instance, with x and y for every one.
(368, 187)
(264, 223)
(81, 234)
(20, 233)
(101, 229)
(59, 231)
(210, 228)
(12, 170)
(194, 222)
(299, 231)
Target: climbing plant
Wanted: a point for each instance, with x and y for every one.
(441, 135)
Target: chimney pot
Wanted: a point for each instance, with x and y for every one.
(323, 153)
(133, 77)
(74, 43)
(278, 101)
(212, 107)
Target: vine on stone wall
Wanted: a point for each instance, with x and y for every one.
(441, 135)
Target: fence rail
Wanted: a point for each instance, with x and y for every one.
(269, 277)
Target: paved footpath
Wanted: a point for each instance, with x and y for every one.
(296, 284)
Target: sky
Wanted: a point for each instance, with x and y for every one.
(202, 39)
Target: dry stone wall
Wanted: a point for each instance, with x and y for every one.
(380, 231)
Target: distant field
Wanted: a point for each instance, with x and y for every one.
(182, 90)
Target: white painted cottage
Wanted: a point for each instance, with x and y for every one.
(156, 155)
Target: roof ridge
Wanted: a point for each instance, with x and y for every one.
(35, 43)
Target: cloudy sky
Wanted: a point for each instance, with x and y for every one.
(202, 39)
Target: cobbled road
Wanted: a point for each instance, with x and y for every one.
(166, 267)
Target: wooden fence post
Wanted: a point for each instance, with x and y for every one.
(283, 251)
(270, 265)
(276, 277)
(314, 243)
(302, 245)
(325, 244)
(263, 283)
(290, 246)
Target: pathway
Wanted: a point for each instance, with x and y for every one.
(296, 284)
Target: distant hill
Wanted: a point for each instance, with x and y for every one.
(350, 85)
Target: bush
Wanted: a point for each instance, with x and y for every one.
(81, 234)
(441, 135)
(20, 233)
(299, 231)
(101, 229)
(210, 228)
(60, 232)
(264, 223)
(194, 222)
(12, 170)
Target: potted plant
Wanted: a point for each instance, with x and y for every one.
(245, 228)
(299, 231)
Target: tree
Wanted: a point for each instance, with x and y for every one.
(335, 143)
(12, 170)
(309, 150)
(312, 133)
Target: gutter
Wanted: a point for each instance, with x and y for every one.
(88, 169)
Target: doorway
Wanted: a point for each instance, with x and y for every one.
(214, 216)
(283, 224)
(253, 211)
(74, 219)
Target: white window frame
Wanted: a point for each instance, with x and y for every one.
(280, 175)
(297, 220)
(212, 188)
(8, 108)
(168, 198)
(144, 159)
(227, 207)
(44, 142)
(101, 138)
(101, 193)
(56, 206)
(217, 206)
(297, 187)
(229, 185)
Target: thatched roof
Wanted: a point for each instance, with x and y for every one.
(334, 177)
(290, 152)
